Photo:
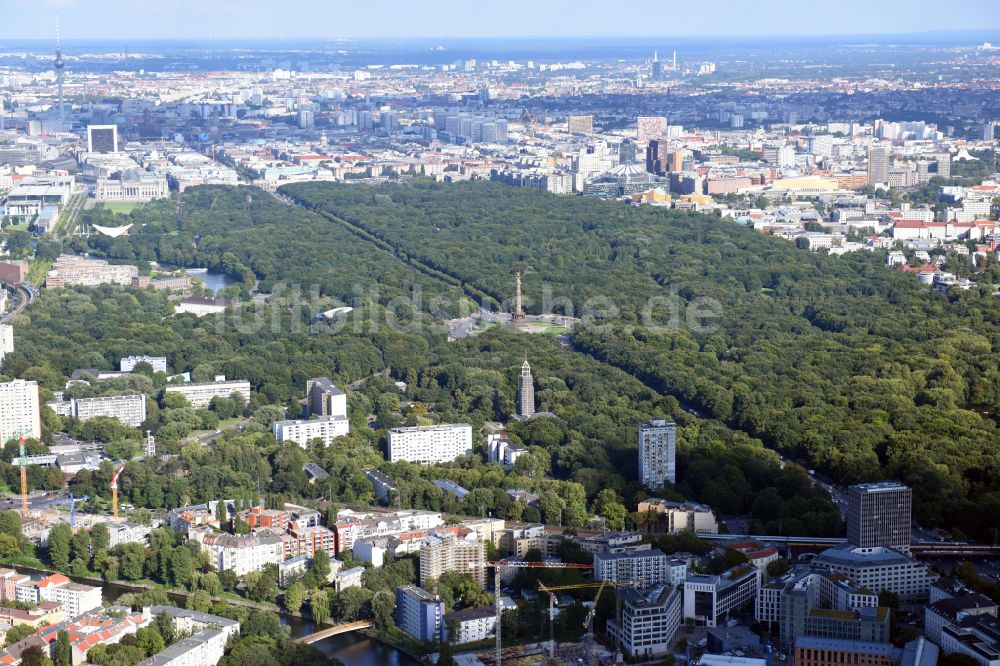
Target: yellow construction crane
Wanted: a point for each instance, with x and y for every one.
(496, 587)
(589, 623)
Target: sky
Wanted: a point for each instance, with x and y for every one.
(226, 19)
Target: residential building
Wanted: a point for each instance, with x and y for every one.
(447, 551)
(325, 399)
(201, 394)
(42, 614)
(19, 410)
(816, 651)
(879, 515)
(308, 540)
(122, 533)
(9, 580)
(419, 613)
(130, 410)
(650, 618)
(100, 626)
(880, 569)
(709, 599)
(672, 517)
(293, 569)
(644, 567)
(242, 553)
(348, 578)
(382, 485)
(430, 445)
(303, 431)
(74, 597)
(128, 363)
(657, 453)
(502, 450)
(205, 640)
(470, 625)
(354, 525)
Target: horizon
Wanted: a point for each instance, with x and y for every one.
(224, 20)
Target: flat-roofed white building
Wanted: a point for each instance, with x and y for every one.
(302, 431)
(201, 394)
(128, 363)
(429, 445)
(129, 409)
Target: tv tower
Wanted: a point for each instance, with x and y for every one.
(59, 64)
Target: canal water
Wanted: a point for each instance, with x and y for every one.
(353, 649)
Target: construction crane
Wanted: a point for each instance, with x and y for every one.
(589, 623)
(71, 500)
(496, 586)
(551, 591)
(114, 491)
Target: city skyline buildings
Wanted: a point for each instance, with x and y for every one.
(228, 19)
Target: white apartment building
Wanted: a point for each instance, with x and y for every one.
(657, 453)
(242, 554)
(429, 445)
(128, 363)
(19, 410)
(502, 450)
(646, 567)
(302, 431)
(709, 599)
(129, 409)
(121, 533)
(470, 624)
(650, 619)
(75, 598)
(206, 643)
(201, 394)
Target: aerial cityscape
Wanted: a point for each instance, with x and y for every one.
(518, 334)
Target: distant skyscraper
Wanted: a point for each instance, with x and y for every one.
(878, 163)
(657, 67)
(657, 453)
(526, 392)
(878, 515)
(656, 156)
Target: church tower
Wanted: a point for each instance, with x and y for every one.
(526, 392)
